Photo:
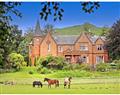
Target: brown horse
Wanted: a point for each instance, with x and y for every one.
(67, 81)
(51, 82)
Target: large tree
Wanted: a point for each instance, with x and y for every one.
(6, 34)
(113, 41)
(23, 46)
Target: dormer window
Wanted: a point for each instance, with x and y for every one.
(100, 47)
(83, 47)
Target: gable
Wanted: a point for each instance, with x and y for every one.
(83, 38)
(99, 41)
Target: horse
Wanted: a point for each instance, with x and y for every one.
(38, 83)
(52, 82)
(67, 81)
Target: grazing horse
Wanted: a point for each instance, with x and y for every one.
(67, 81)
(38, 83)
(51, 82)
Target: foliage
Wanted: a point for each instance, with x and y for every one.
(53, 8)
(113, 41)
(59, 61)
(9, 35)
(49, 58)
(23, 46)
(47, 10)
(30, 72)
(44, 71)
(77, 67)
(86, 67)
(103, 67)
(16, 61)
(117, 64)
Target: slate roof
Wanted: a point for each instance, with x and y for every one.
(65, 39)
(94, 38)
(70, 39)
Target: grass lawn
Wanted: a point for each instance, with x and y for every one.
(75, 89)
(82, 82)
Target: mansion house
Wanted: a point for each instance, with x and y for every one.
(85, 47)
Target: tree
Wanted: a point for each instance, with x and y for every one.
(6, 9)
(23, 46)
(113, 41)
(104, 30)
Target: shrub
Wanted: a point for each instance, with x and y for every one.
(39, 68)
(117, 63)
(77, 66)
(16, 61)
(103, 67)
(118, 66)
(49, 58)
(30, 72)
(84, 67)
(45, 71)
(57, 63)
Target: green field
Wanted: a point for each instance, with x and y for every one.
(75, 89)
(82, 82)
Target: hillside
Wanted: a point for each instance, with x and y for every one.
(77, 29)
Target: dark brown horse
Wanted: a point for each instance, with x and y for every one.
(67, 81)
(52, 82)
(38, 83)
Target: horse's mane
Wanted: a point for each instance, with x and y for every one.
(47, 78)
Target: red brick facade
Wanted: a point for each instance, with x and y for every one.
(75, 48)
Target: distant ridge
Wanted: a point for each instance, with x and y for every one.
(77, 29)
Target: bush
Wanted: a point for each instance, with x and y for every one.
(117, 63)
(118, 66)
(85, 67)
(77, 66)
(16, 61)
(30, 72)
(49, 58)
(39, 68)
(45, 71)
(103, 67)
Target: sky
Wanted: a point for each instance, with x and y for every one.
(106, 15)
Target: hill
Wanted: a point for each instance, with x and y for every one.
(77, 29)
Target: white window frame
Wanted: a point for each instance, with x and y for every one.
(100, 47)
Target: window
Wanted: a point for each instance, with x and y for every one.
(60, 49)
(82, 59)
(100, 47)
(49, 47)
(83, 47)
(99, 59)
